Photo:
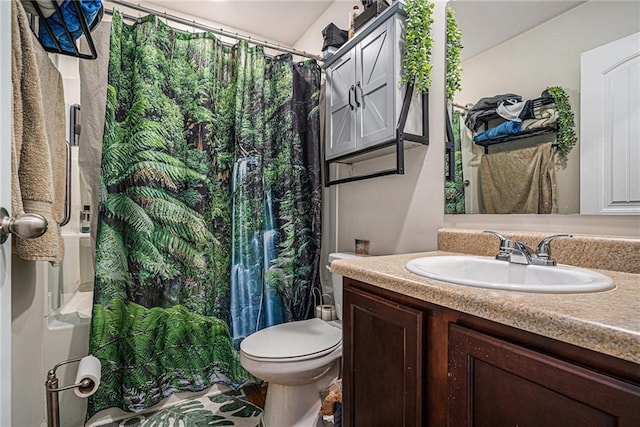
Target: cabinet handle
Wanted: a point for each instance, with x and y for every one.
(355, 93)
(352, 89)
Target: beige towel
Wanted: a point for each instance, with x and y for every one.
(32, 177)
(46, 7)
(519, 181)
(545, 118)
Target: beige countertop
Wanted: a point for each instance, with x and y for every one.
(607, 322)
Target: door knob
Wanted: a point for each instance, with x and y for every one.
(27, 226)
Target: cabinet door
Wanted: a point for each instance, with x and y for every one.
(383, 343)
(341, 125)
(496, 383)
(375, 91)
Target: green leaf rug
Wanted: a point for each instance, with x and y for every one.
(220, 410)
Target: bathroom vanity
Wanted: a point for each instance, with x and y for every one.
(423, 352)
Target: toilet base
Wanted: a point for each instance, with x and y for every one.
(297, 406)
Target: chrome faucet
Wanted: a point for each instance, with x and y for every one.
(519, 253)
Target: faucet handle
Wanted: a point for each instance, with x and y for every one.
(503, 255)
(543, 252)
(503, 239)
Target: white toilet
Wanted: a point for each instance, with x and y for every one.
(297, 359)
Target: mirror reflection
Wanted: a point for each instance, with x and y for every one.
(516, 151)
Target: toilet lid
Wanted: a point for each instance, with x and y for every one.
(292, 340)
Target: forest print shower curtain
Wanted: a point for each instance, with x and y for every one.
(209, 223)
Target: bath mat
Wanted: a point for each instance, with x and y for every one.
(220, 410)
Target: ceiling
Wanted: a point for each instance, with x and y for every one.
(485, 24)
(282, 21)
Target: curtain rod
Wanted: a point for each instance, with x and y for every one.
(218, 31)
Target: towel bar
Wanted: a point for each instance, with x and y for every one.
(67, 188)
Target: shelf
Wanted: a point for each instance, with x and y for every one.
(85, 26)
(521, 135)
(395, 145)
(537, 104)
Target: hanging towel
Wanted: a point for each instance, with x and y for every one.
(32, 178)
(503, 129)
(519, 181)
(46, 7)
(71, 20)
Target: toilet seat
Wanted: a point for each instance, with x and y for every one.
(293, 341)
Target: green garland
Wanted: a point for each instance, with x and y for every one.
(566, 138)
(453, 48)
(416, 58)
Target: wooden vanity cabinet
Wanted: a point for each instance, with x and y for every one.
(383, 347)
(411, 363)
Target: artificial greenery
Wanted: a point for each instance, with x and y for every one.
(453, 48)
(416, 58)
(566, 138)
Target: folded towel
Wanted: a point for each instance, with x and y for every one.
(546, 117)
(486, 108)
(71, 20)
(46, 7)
(31, 171)
(507, 128)
(519, 181)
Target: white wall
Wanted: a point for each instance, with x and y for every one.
(5, 202)
(586, 26)
(548, 55)
(402, 213)
(398, 213)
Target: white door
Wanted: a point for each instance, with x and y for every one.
(610, 128)
(5, 201)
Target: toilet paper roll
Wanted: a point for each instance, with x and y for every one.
(326, 312)
(88, 375)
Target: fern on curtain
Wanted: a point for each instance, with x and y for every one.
(209, 224)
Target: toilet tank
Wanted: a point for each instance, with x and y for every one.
(336, 279)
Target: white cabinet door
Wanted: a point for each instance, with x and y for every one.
(610, 128)
(5, 201)
(341, 125)
(375, 87)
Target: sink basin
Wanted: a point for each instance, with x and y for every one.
(486, 272)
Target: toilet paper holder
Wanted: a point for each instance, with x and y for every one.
(51, 385)
(324, 311)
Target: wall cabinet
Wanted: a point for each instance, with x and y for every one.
(366, 109)
(471, 371)
(361, 91)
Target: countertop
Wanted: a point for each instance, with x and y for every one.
(607, 322)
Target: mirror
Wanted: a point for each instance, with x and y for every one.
(522, 48)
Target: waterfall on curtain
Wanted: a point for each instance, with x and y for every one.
(209, 223)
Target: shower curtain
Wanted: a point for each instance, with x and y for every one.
(209, 223)
(454, 190)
